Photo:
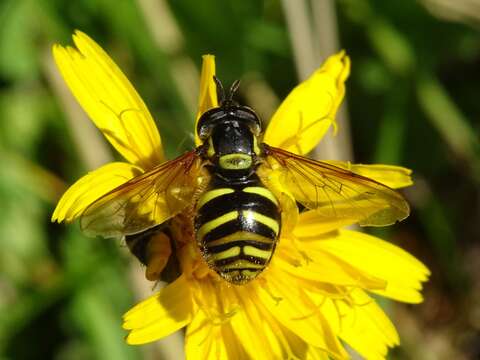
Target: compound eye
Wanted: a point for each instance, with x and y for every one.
(204, 131)
(255, 127)
(204, 126)
(207, 122)
(251, 119)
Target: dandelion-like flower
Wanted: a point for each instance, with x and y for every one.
(316, 292)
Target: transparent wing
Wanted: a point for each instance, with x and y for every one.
(336, 193)
(146, 200)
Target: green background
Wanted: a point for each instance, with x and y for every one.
(413, 100)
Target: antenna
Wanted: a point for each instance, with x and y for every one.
(220, 90)
(233, 90)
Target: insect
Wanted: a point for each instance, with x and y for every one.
(236, 211)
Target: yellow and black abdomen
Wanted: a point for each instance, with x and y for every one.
(237, 226)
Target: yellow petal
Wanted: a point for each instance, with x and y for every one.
(283, 296)
(229, 340)
(161, 314)
(198, 337)
(208, 90)
(300, 350)
(365, 327)
(402, 273)
(313, 353)
(393, 176)
(204, 340)
(251, 326)
(358, 320)
(306, 114)
(210, 334)
(110, 100)
(92, 186)
(321, 267)
(283, 342)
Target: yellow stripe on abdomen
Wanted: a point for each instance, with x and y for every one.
(262, 192)
(256, 252)
(265, 220)
(213, 194)
(209, 226)
(241, 235)
(229, 253)
(242, 264)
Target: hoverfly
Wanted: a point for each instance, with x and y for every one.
(224, 186)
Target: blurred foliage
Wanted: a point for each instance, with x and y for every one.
(412, 101)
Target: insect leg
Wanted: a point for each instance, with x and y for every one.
(152, 248)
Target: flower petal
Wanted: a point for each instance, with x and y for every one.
(208, 91)
(91, 187)
(287, 345)
(322, 267)
(161, 314)
(358, 320)
(199, 338)
(401, 271)
(110, 100)
(294, 311)
(204, 340)
(306, 114)
(211, 333)
(249, 325)
(234, 348)
(365, 327)
(393, 176)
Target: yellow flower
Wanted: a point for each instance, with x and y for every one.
(315, 293)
